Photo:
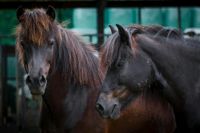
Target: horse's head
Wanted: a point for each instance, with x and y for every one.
(35, 45)
(127, 72)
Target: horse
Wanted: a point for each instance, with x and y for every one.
(128, 85)
(139, 59)
(179, 73)
(179, 76)
(62, 69)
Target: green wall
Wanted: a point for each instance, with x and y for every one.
(84, 20)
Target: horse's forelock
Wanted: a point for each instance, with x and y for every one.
(35, 26)
(107, 52)
(111, 52)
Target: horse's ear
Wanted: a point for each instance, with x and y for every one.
(20, 11)
(123, 33)
(51, 12)
(112, 29)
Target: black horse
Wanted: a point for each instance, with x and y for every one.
(140, 59)
(118, 95)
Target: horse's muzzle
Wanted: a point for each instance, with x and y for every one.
(37, 85)
(108, 108)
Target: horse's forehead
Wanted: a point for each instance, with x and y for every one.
(36, 34)
(34, 39)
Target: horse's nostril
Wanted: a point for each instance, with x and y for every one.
(28, 80)
(42, 80)
(100, 108)
(114, 106)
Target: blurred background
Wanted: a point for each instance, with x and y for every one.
(89, 18)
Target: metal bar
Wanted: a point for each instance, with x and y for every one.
(151, 3)
(4, 84)
(93, 4)
(179, 18)
(20, 98)
(90, 38)
(56, 4)
(1, 89)
(100, 21)
(139, 15)
(10, 78)
(9, 50)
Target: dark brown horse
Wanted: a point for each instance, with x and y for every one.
(118, 100)
(61, 68)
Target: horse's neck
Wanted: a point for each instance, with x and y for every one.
(176, 63)
(56, 92)
(69, 102)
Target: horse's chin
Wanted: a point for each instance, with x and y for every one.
(37, 92)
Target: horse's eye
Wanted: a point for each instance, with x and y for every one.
(51, 43)
(120, 64)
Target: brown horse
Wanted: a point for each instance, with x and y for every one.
(61, 68)
(143, 112)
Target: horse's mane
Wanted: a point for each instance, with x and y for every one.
(158, 31)
(111, 49)
(78, 60)
(169, 36)
(73, 58)
(109, 52)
